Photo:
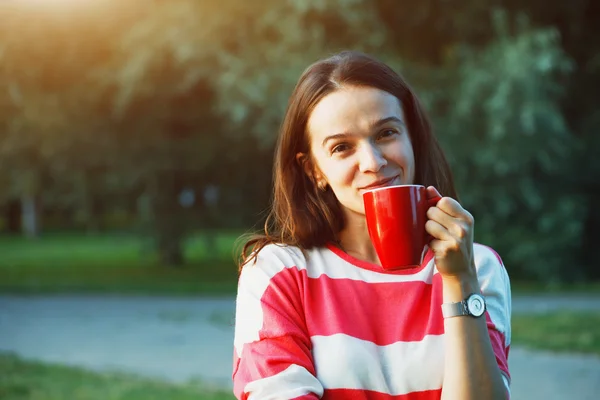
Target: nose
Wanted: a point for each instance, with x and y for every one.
(371, 158)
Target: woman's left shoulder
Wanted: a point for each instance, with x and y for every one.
(485, 255)
(490, 267)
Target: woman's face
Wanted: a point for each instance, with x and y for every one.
(359, 140)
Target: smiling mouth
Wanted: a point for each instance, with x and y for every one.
(380, 184)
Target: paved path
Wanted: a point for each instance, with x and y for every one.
(545, 303)
(175, 339)
(181, 339)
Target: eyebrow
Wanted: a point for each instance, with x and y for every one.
(376, 124)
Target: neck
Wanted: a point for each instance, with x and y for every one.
(355, 240)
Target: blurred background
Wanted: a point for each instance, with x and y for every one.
(136, 145)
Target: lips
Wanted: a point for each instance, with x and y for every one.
(380, 183)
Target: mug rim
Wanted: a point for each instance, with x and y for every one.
(392, 187)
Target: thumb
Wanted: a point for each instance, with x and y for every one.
(432, 193)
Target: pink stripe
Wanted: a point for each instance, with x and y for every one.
(269, 357)
(282, 306)
(236, 363)
(282, 339)
(498, 339)
(356, 394)
(404, 311)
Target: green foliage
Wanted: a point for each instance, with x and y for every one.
(262, 49)
(502, 125)
(116, 103)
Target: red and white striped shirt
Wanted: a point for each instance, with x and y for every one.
(330, 326)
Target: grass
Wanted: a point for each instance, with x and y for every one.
(113, 263)
(127, 264)
(564, 331)
(27, 380)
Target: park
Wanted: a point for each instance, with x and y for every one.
(136, 154)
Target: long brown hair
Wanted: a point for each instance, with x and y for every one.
(304, 216)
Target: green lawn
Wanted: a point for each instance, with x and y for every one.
(115, 263)
(26, 380)
(126, 263)
(563, 331)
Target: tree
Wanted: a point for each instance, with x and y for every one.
(136, 97)
(85, 101)
(510, 143)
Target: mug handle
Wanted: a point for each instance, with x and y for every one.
(431, 203)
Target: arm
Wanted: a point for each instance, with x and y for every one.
(272, 348)
(477, 348)
(472, 368)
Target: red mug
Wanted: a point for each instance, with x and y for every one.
(396, 217)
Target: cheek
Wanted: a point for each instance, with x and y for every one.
(407, 158)
(338, 172)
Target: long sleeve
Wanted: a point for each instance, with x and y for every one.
(272, 349)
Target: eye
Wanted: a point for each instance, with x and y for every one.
(340, 148)
(386, 133)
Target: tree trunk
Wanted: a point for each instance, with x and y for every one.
(30, 217)
(88, 203)
(14, 216)
(167, 225)
(170, 249)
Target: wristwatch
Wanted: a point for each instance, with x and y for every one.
(473, 306)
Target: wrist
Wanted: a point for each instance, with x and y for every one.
(456, 289)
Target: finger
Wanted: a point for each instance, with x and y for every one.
(441, 217)
(432, 192)
(455, 226)
(437, 231)
(453, 208)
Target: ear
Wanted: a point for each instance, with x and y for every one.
(304, 162)
(310, 170)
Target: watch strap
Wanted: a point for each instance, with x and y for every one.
(455, 309)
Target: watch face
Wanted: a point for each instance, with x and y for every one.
(476, 305)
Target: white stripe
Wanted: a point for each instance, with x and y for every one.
(248, 313)
(322, 261)
(506, 381)
(326, 262)
(395, 369)
(294, 381)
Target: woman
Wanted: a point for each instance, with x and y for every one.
(317, 316)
